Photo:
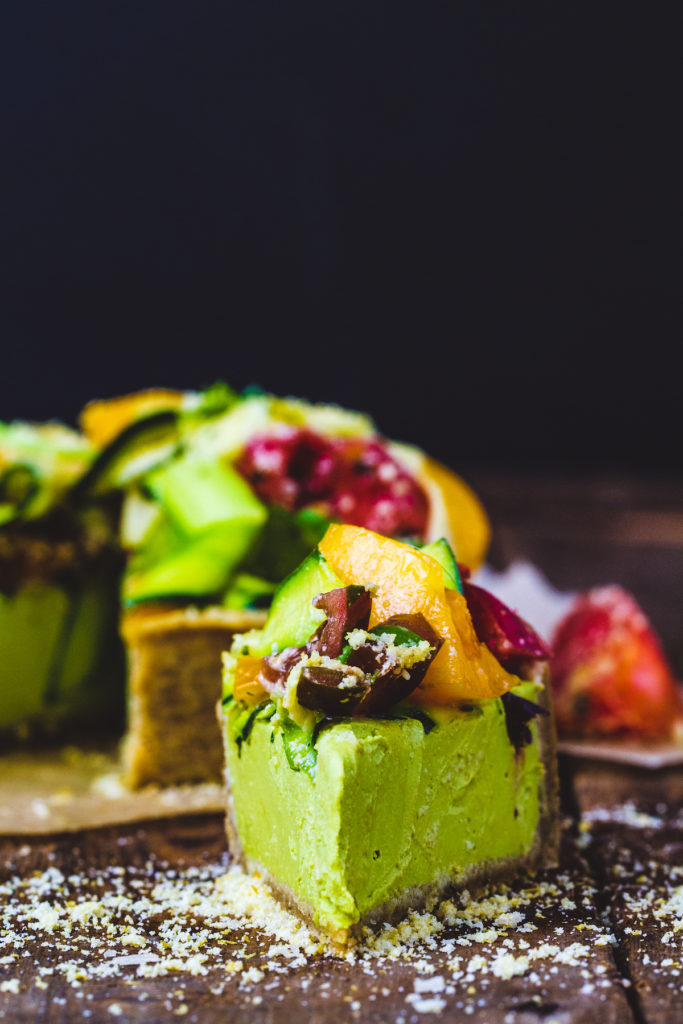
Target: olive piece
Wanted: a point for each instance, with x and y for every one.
(323, 689)
(347, 608)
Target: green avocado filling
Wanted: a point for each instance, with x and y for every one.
(350, 810)
(390, 805)
(76, 668)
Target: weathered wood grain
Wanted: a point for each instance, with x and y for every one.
(585, 531)
(632, 826)
(547, 960)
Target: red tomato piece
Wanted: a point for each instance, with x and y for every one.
(610, 675)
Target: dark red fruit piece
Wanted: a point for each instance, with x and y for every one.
(609, 672)
(290, 469)
(374, 491)
(507, 636)
(389, 686)
(353, 480)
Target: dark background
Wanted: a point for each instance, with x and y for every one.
(464, 218)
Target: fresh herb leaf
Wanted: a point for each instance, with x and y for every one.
(402, 636)
(241, 721)
(344, 656)
(299, 747)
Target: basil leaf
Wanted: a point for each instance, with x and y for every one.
(402, 636)
(241, 721)
(299, 747)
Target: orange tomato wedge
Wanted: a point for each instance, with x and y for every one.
(406, 580)
(246, 688)
(456, 512)
(102, 420)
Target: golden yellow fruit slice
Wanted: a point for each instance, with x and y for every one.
(101, 420)
(405, 580)
(246, 688)
(454, 504)
(455, 511)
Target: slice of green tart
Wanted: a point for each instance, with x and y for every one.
(383, 745)
(61, 658)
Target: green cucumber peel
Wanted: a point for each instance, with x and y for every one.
(19, 483)
(241, 721)
(139, 447)
(402, 637)
(441, 551)
(299, 746)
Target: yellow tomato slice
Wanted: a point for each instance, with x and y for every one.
(454, 503)
(102, 420)
(246, 688)
(405, 580)
(455, 511)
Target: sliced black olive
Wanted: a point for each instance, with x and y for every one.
(320, 689)
(519, 712)
(392, 685)
(276, 667)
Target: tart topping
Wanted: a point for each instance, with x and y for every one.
(409, 633)
(406, 581)
(352, 479)
(345, 669)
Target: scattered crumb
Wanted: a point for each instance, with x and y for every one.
(141, 923)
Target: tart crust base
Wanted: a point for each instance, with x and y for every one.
(174, 681)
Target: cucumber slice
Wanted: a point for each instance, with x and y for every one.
(37, 609)
(162, 540)
(283, 543)
(225, 436)
(441, 551)
(198, 571)
(200, 494)
(140, 517)
(39, 462)
(293, 620)
(18, 485)
(139, 447)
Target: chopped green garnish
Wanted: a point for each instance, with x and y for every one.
(299, 746)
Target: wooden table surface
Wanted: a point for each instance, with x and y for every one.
(600, 938)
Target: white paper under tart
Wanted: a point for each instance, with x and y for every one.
(654, 755)
(70, 789)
